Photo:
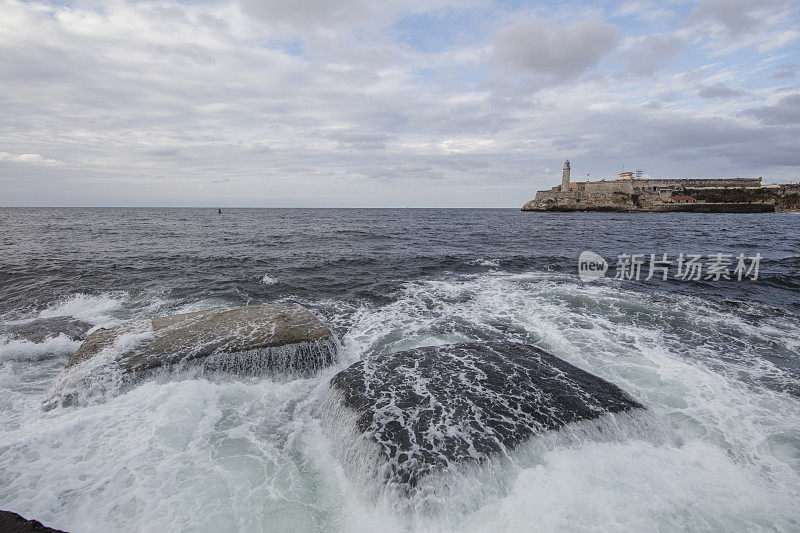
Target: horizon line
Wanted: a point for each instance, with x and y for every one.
(236, 207)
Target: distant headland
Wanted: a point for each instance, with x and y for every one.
(631, 192)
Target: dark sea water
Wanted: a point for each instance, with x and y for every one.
(717, 362)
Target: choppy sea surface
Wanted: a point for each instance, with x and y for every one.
(716, 362)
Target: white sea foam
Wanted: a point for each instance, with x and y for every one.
(92, 309)
(213, 453)
(24, 350)
(201, 305)
(635, 486)
(481, 261)
(268, 280)
(98, 378)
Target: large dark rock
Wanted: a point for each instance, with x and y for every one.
(14, 523)
(429, 408)
(261, 339)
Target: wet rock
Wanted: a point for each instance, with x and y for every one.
(14, 523)
(42, 328)
(255, 340)
(425, 409)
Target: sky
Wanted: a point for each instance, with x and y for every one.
(395, 103)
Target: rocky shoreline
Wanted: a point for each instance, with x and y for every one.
(678, 208)
(409, 414)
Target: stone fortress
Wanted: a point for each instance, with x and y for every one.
(632, 193)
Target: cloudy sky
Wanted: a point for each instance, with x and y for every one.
(387, 103)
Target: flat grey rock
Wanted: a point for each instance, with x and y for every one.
(433, 407)
(282, 338)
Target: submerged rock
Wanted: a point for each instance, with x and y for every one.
(262, 339)
(40, 329)
(425, 409)
(14, 523)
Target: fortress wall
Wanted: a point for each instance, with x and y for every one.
(697, 182)
(606, 187)
(589, 189)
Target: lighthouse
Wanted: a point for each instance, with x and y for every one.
(565, 177)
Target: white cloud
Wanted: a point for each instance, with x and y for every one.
(35, 159)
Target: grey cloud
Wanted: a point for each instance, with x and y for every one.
(163, 151)
(213, 22)
(260, 148)
(326, 17)
(775, 150)
(671, 143)
(684, 134)
(193, 52)
(360, 140)
(647, 133)
(785, 71)
(738, 20)
(170, 13)
(400, 172)
(718, 90)
(786, 111)
(565, 144)
(545, 48)
(307, 12)
(479, 118)
(411, 168)
(648, 54)
(735, 15)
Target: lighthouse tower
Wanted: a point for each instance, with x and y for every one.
(565, 177)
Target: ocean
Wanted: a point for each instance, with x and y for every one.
(716, 362)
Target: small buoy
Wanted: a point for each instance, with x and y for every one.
(219, 211)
